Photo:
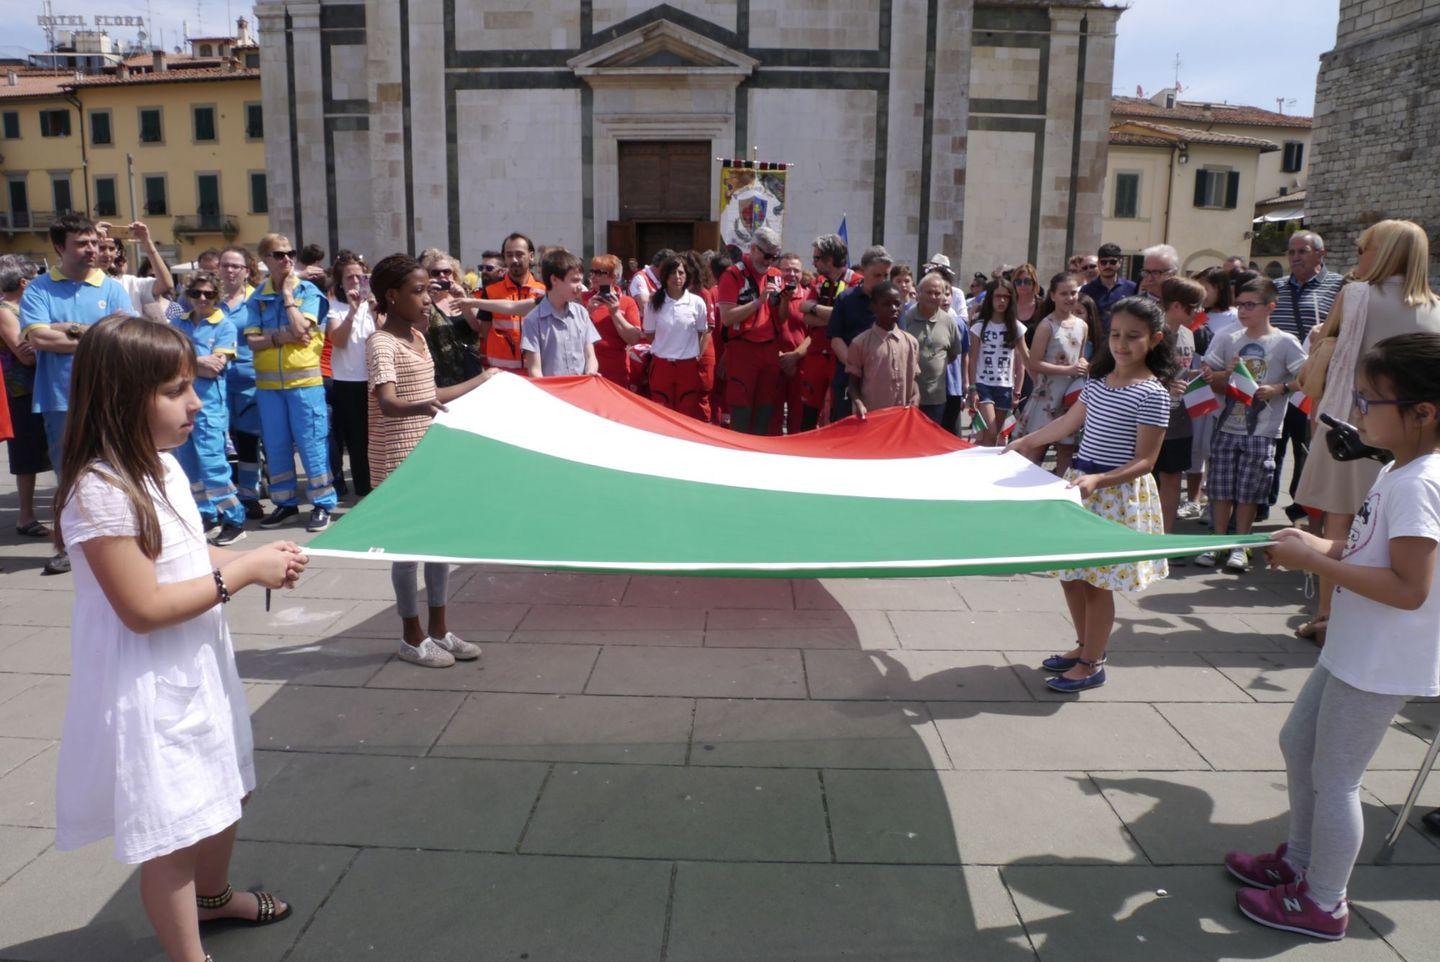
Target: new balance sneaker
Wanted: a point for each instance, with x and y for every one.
(1205, 559)
(461, 650)
(229, 534)
(1290, 907)
(1190, 510)
(1238, 561)
(427, 654)
(1262, 871)
(319, 520)
(279, 516)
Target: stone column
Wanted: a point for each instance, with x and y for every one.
(275, 101)
(313, 224)
(387, 127)
(948, 136)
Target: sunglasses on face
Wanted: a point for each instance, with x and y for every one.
(441, 272)
(195, 295)
(1109, 261)
(1024, 282)
(282, 255)
(1363, 404)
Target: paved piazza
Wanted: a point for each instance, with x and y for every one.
(655, 768)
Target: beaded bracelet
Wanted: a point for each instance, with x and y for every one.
(220, 587)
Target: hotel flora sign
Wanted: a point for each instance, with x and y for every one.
(98, 20)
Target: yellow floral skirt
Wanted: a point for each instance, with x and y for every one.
(1136, 505)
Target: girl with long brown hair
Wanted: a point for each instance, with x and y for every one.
(156, 750)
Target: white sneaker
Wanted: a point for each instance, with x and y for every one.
(1190, 510)
(427, 654)
(1239, 561)
(459, 650)
(1206, 559)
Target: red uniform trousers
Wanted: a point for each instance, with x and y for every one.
(752, 373)
(815, 374)
(614, 365)
(790, 400)
(676, 384)
(708, 411)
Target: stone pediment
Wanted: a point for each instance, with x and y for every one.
(662, 49)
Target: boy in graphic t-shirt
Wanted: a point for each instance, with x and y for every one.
(1242, 457)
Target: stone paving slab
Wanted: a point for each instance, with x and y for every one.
(1247, 737)
(83, 905)
(1022, 593)
(526, 668)
(20, 846)
(906, 675)
(16, 751)
(570, 728)
(38, 710)
(816, 734)
(17, 607)
(914, 594)
(27, 791)
(1266, 676)
(336, 661)
(778, 913)
(1061, 735)
(541, 588)
(994, 819)
(1398, 901)
(402, 905)
(45, 651)
(694, 593)
(12, 684)
(734, 814)
(1083, 913)
(363, 720)
(1202, 633)
(780, 628)
(377, 800)
(706, 673)
(979, 630)
(1225, 811)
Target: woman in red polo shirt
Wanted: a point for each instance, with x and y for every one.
(615, 315)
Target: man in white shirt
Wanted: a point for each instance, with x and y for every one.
(644, 283)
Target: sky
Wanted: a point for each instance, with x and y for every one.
(1236, 51)
(1232, 51)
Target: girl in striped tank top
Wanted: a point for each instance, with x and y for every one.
(1123, 412)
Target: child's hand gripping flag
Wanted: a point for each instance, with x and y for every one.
(1199, 399)
(1242, 384)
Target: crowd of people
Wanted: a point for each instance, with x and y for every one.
(1169, 398)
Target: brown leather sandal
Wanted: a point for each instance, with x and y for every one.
(1314, 629)
(266, 914)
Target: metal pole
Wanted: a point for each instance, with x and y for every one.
(134, 211)
(1387, 851)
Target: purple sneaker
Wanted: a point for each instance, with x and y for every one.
(1290, 908)
(1262, 871)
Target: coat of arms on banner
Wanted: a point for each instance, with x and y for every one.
(752, 196)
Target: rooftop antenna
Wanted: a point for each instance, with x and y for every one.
(1282, 102)
(49, 26)
(1178, 88)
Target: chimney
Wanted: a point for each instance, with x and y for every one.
(122, 70)
(158, 64)
(12, 79)
(231, 64)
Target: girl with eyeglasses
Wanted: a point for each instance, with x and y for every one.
(1383, 645)
(202, 456)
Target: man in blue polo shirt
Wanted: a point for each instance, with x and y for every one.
(851, 316)
(54, 312)
(1109, 288)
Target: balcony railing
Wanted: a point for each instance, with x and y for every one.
(36, 220)
(205, 224)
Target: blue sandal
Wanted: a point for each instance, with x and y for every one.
(1069, 686)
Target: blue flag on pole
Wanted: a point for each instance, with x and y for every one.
(844, 234)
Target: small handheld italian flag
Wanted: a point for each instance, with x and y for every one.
(1007, 427)
(1242, 385)
(1300, 401)
(977, 421)
(1072, 393)
(1199, 399)
(1197, 320)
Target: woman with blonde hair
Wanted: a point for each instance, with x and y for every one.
(1390, 296)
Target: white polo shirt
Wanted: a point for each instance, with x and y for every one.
(677, 326)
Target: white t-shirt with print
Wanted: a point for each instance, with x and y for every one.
(1375, 647)
(996, 366)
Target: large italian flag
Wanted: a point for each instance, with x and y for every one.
(578, 473)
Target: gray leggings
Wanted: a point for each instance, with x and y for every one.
(407, 599)
(1332, 733)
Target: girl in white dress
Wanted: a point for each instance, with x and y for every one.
(156, 747)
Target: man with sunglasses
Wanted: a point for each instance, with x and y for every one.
(1109, 288)
(283, 331)
(749, 301)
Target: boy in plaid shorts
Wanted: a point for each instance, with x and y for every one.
(1242, 456)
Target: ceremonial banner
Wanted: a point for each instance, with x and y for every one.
(608, 481)
(752, 195)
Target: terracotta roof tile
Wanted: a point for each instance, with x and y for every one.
(35, 85)
(1294, 197)
(1196, 112)
(1147, 134)
(173, 75)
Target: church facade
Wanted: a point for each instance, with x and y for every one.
(976, 128)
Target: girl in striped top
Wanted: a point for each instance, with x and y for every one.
(403, 400)
(1123, 411)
